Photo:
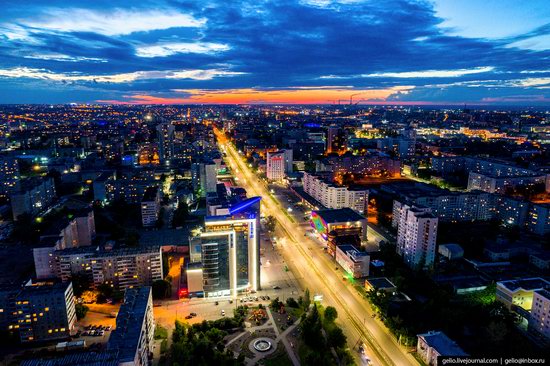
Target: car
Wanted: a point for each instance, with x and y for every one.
(109, 328)
(267, 298)
(336, 268)
(223, 313)
(276, 288)
(256, 298)
(231, 301)
(193, 314)
(188, 317)
(216, 303)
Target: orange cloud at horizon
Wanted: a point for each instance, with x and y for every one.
(299, 95)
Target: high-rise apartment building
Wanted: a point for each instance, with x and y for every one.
(9, 176)
(336, 140)
(165, 132)
(34, 196)
(150, 206)
(45, 311)
(539, 321)
(416, 236)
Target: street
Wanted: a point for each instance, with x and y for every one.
(316, 271)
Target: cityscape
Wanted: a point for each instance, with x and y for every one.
(314, 182)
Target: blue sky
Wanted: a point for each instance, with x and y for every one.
(311, 51)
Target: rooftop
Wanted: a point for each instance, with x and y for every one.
(131, 316)
(339, 215)
(86, 358)
(528, 284)
(380, 283)
(150, 194)
(544, 292)
(444, 345)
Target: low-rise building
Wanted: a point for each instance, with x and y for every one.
(353, 261)
(517, 294)
(380, 284)
(434, 344)
(326, 221)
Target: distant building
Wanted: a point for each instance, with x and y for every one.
(336, 140)
(451, 251)
(135, 327)
(165, 132)
(34, 196)
(519, 293)
(150, 206)
(416, 236)
(275, 168)
(539, 321)
(333, 196)
(9, 176)
(45, 311)
(76, 232)
(434, 344)
(353, 261)
(538, 220)
(497, 184)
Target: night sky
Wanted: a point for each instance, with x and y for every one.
(441, 52)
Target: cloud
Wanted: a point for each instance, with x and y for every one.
(42, 74)
(110, 23)
(63, 58)
(168, 49)
(417, 74)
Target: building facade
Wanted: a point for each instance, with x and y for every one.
(416, 236)
(333, 196)
(150, 206)
(275, 165)
(539, 321)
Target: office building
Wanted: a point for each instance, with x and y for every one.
(228, 251)
(354, 262)
(416, 236)
(165, 132)
(275, 165)
(336, 140)
(343, 220)
(9, 176)
(150, 206)
(518, 294)
(34, 196)
(432, 345)
(204, 177)
(539, 321)
(332, 196)
(135, 327)
(45, 311)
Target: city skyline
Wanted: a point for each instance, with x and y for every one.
(296, 52)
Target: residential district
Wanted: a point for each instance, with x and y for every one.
(272, 235)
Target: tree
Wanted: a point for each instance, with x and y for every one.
(311, 330)
(336, 337)
(161, 289)
(270, 223)
(291, 303)
(180, 214)
(81, 311)
(306, 300)
(330, 314)
(132, 238)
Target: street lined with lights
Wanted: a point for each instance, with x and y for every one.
(316, 272)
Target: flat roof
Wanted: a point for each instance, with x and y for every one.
(380, 282)
(129, 321)
(444, 345)
(84, 358)
(528, 284)
(352, 250)
(339, 215)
